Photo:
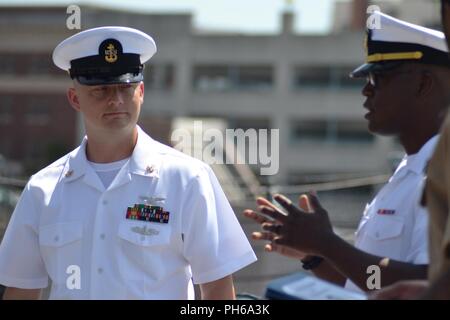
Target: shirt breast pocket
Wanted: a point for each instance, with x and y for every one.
(144, 234)
(61, 247)
(145, 251)
(385, 237)
(385, 228)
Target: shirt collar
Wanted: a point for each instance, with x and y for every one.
(145, 159)
(417, 162)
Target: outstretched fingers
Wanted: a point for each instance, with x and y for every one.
(303, 203)
(264, 202)
(269, 236)
(272, 227)
(314, 201)
(286, 204)
(255, 216)
(273, 213)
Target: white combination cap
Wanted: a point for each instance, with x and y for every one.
(394, 41)
(105, 55)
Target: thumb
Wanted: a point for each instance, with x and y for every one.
(303, 203)
(314, 202)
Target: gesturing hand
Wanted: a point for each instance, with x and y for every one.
(297, 229)
(269, 236)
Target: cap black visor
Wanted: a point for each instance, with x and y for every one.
(364, 70)
(123, 78)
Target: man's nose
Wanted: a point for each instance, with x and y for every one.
(116, 95)
(368, 89)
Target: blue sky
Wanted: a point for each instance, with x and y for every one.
(250, 16)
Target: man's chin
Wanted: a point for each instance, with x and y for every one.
(379, 131)
(373, 128)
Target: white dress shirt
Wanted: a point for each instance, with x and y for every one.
(394, 224)
(66, 217)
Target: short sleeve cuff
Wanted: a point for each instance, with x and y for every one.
(225, 269)
(24, 283)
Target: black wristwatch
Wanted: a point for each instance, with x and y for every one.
(311, 262)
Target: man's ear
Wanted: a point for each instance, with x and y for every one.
(141, 93)
(73, 98)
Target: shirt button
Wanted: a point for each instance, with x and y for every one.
(142, 238)
(100, 270)
(102, 236)
(56, 238)
(377, 234)
(105, 202)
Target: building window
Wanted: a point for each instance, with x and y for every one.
(28, 64)
(325, 77)
(38, 112)
(212, 78)
(309, 131)
(331, 131)
(160, 77)
(6, 110)
(219, 78)
(254, 78)
(249, 123)
(312, 76)
(8, 64)
(40, 64)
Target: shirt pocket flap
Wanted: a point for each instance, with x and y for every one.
(144, 233)
(60, 234)
(386, 228)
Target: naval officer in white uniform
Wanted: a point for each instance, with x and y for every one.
(407, 95)
(122, 216)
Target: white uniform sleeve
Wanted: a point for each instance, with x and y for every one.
(21, 265)
(418, 252)
(214, 242)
